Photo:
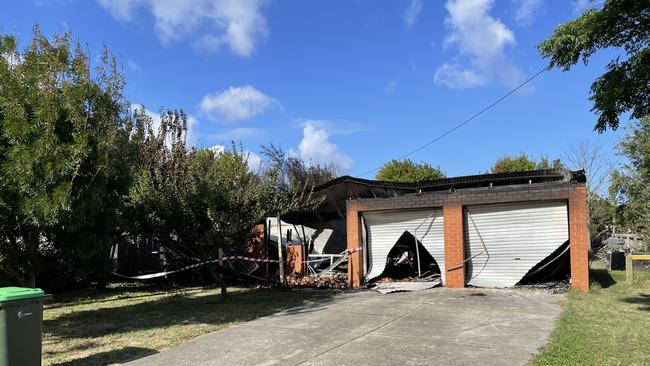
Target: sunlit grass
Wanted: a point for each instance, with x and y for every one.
(610, 325)
(128, 321)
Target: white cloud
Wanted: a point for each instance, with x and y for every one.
(481, 40)
(209, 24)
(456, 77)
(527, 11)
(412, 11)
(315, 146)
(155, 117)
(236, 103)
(254, 161)
(217, 149)
(192, 137)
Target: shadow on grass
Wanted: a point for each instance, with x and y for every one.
(602, 278)
(182, 309)
(103, 358)
(641, 299)
(122, 292)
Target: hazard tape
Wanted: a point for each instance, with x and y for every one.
(166, 273)
(249, 259)
(229, 258)
(350, 251)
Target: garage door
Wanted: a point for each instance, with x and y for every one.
(503, 242)
(384, 228)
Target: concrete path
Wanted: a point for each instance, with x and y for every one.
(432, 327)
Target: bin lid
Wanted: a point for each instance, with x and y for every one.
(19, 293)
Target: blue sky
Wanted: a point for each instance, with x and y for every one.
(356, 83)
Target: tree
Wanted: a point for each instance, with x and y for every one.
(601, 214)
(582, 155)
(523, 162)
(62, 140)
(631, 183)
(406, 171)
(291, 181)
(620, 24)
(194, 202)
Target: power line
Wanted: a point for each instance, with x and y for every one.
(440, 137)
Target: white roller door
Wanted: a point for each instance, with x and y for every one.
(503, 242)
(384, 228)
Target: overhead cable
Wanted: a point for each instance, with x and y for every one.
(443, 135)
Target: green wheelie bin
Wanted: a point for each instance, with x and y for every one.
(21, 318)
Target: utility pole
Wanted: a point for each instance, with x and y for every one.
(280, 254)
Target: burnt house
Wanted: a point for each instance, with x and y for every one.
(488, 230)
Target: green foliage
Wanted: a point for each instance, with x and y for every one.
(79, 172)
(601, 214)
(194, 202)
(523, 162)
(62, 139)
(621, 24)
(290, 181)
(631, 184)
(406, 171)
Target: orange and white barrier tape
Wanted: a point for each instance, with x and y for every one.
(166, 273)
(354, 250)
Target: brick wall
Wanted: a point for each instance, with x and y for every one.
(355, 260)
(454, 245)
(294, 259)
(579, 238)
(452, 203)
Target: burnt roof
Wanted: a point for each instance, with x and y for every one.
(341, 189)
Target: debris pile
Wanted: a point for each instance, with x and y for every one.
(331, 281)
(386, 287)
(606, 243)
(389, 280)
(554, 287)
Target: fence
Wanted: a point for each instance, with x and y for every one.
(637, 267)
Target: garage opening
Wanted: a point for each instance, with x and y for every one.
(391, 244)
(402, 261)
(554, 268)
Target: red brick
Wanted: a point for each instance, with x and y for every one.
(454, 246)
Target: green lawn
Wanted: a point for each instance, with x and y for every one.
(128, 321)
(610, 325)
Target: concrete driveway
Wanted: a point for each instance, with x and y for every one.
(432, 327)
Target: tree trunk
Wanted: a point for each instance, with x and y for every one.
(31, 241)
(31, 279)
(224, 289)
(218, 278)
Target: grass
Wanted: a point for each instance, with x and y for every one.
(128, 321)
(610, 325)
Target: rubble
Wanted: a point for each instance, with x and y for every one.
(331, 281)
(553, 287)
(386, 287)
